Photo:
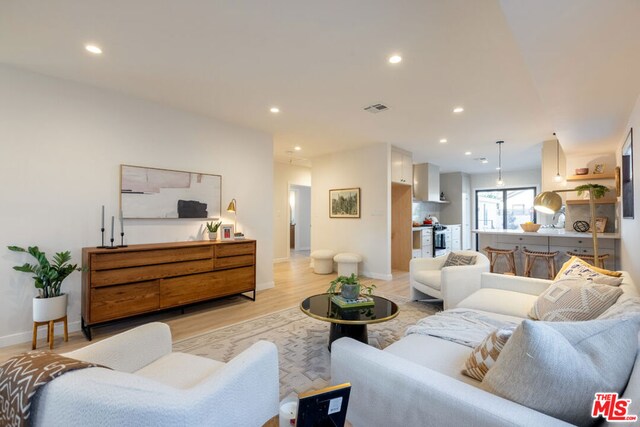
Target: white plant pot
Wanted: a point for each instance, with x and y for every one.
(45, 309)
(213, 236)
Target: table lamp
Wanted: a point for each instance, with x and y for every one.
(232, 208)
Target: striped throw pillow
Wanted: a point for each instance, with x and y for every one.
(454, 260)
(483, 357)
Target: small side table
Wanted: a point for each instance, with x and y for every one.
(50, 325)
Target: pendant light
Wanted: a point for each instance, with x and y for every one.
(500, 182)
(558, 177)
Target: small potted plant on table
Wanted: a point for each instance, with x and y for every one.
(212, 227)
(350, 287)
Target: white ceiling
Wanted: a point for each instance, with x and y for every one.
(521, 69)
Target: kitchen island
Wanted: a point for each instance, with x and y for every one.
(549, 240)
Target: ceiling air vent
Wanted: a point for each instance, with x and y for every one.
(376, 108)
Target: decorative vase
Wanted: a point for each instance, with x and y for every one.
(350, 291)
(213, 235)
(45, 309)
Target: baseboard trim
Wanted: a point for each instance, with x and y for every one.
(378, 276)
(265, 285)
(279, 260)
(23, 337)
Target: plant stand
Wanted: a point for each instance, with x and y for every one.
(50, 326)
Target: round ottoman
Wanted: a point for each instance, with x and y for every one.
(347, 263)
(323, 261)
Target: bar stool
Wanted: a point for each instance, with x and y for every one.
(589, 258)
(493, 254)
(50, 325)
(532, 256)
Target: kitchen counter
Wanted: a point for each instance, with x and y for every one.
(421, 227)
(549, 232)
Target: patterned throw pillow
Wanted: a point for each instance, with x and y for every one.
(574, 299)
(454, 260)
(576, 267)
(483, 357)
(622, 310)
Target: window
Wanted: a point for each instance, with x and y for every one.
(504, 209)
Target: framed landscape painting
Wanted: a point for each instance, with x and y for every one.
(344, 203)
(148, 193)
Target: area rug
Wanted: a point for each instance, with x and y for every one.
(305, 361)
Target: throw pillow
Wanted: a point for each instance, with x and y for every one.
(574, 299)
(484, 356)
(622, 310)
(454, 260)
(576, 267)
(556, 368)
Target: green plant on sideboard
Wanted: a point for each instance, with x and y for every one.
(47, 275)
(212, 227)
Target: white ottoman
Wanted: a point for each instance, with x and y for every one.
(323, 261)
(347, 263)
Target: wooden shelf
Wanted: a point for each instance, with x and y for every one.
(586, 202)
(591, 176)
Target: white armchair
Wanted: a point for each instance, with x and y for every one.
(429, 280)
(151, 386)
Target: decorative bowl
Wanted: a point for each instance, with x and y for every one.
(530, 228)
(582, 171)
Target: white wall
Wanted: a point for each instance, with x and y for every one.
(303, 217)
(61, 145)
(284, 175)
(368, 168)
(630, 228)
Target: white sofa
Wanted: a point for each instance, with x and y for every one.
(417, 380)
(429, 280)
(151, 386)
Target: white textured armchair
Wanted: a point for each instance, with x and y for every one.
(429, 280)
(151, 386)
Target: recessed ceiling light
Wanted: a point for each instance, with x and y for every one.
(93, 49)
(395, 59)
(274, 110)
(498, 168)
(458, 110)
(484, 161)
(443, 141)
(467, 153)
(297, 148)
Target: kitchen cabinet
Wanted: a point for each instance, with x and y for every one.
(455, 232)
(422, 242)
(426, 182)
(401, 167)
(457, 189)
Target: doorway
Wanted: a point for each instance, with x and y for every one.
(299, 218)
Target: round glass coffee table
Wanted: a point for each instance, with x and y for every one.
(348, 322)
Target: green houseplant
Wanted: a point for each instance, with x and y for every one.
(350, 287)
(51, 303)
(212, 227)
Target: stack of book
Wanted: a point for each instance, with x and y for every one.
(361, 301)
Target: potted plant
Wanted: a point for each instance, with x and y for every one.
(349, 287)
(213, 229)
(50, 304)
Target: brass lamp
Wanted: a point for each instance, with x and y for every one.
(550, 202)
(232, 208)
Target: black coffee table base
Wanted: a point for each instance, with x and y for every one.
(339, 330)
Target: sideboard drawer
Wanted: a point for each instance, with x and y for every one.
(115, 302)
(233, 261)
(235, 249)
(109, 261)
(139, 274)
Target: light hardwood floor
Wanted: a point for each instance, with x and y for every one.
(294, 281)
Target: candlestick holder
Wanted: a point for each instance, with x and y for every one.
(102, 246)
(122, 245)
(111, 247)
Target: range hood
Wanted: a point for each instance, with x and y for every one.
(426, 182)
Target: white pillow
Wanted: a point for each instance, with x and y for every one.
(557, 367)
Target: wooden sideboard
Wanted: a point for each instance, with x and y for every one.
(138, 279)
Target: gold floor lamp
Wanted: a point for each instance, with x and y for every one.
(550, 202)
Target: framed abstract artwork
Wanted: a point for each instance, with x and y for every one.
(344, 203)
(226, 232)
(627, 176)
(152, 193)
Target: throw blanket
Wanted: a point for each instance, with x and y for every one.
(22, 376)
(459, 325)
